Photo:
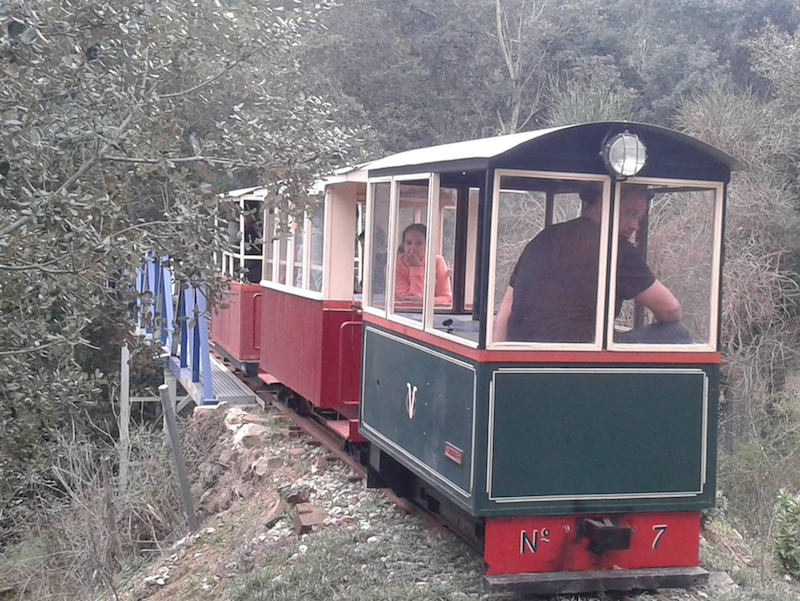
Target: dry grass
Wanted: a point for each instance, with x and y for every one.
(86, 532)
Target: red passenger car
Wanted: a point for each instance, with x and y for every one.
(235, 329)
(310, 309)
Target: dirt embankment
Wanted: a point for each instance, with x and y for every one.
(283, 519)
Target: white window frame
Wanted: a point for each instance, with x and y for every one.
(711, 344)
(289, 258)
(227, 257)
(602, 275)
(434, 225)
(367, 288)
(430, 276)
(267, 231)
(391, 262)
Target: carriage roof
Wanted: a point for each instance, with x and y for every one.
(477, 154)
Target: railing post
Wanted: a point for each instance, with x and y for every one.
(151, 288)
(168, 330)
(177, 453)
(184, 350)
(202, 330)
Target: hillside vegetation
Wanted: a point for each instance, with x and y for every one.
(123, 120)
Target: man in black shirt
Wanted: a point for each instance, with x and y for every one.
(552, 294)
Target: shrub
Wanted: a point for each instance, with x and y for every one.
(787, 532)
(87, 529)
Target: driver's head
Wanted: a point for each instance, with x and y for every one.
(632, 208)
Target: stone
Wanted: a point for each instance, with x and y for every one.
(264, 465)
(243, 489)
(299, 497)
(304, 508)
(306, 517)
(296, 452)
(722, 582)
(274, 512)
(229, 457)
(249, 418)
(251, 435)
(234, 418)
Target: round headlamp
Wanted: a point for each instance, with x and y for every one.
(624, 154)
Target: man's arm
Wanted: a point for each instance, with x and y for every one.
(501, 322)
(661, 302)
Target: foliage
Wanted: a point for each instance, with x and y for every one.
(423, 72)
(413, 565)
(70, 549)
(122, 121)
(787, 532)
(759, 420)
(578, 102)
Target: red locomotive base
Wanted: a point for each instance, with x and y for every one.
(552, 543)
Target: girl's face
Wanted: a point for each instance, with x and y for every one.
(414, 242)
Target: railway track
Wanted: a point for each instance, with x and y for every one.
(267, 397)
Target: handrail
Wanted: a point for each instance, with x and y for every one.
(188, 351)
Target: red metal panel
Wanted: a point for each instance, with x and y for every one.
(341, 361)
(257, 324)
(549, 543)
(292, 341)
(249, 320)
(347, 429)
(312, 347)
(349, 362)
(234, 327)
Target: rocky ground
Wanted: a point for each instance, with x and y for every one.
(283, 519)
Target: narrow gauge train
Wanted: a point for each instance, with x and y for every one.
(534, 319)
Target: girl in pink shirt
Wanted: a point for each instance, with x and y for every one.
(410, 273)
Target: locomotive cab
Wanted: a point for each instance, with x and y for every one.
(563, 399)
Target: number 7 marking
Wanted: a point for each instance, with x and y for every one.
(660, 530)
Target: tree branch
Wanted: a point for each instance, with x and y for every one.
(67, 184)
(211, 80)
(212, 160)
(33, 349)
(501, 39)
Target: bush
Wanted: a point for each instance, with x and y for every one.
(787, 532)
(81, 535)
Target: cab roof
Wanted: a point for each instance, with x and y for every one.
(478, 154)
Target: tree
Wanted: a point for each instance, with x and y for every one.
(122, 121)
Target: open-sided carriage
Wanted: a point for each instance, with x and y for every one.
(571, 434)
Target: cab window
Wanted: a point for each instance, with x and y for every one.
(666, 266)
(548, 261)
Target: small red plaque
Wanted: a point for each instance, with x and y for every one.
(453, 453)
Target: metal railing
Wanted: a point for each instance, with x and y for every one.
(159, 308)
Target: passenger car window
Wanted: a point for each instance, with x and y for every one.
(410, 258)
(379, 247)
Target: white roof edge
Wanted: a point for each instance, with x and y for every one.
(483, 148)
(356, 173)
(239, 192)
